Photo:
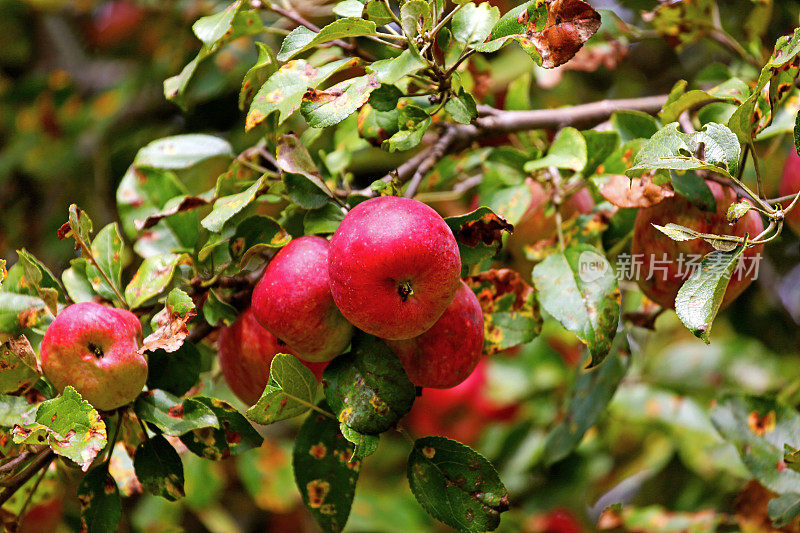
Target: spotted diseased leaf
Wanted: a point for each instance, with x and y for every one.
(293, 158)
(510, 310)
(760, 428)
(234, 436)
(19, 367)
(291, 391)
(70, 425)
(412, 122)
(367, 388)
(182, 151)
(3, 271)
(331, 106)
(302, 39)
(169, 324)
(700, 296)
(579, 288)
(456, 485)
(682, 23)
(153, 276)
(159, 468)
(415, 17)
(256, 235)
(590, 395)
(479, 234)
(284, 90)
(324, 472)
(634, 192)
(738, 210)
(365, 444)
(171, 416)
(184, 203)
(79, 227)
(259, 73)
(394, 69)
(550, 32)
(101, 507)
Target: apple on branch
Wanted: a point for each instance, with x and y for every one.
(394, 267)
(95, 349)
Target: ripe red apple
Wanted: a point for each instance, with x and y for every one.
(666, 262)
(246, 350)
(293, 301)
(559, 520)
(447, 353)
(95, 349)
(461, 412)
(394, 267)
(115, 22)
(790, 184)
(535, 225)
(43, 517)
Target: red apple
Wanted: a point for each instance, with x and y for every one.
(43, 517)
(394, 267)
(246, 350)
(558, 520)
(115, 22)
(461, 412)
(665, 264)
(535, 225)
(293, 301)
(790, 184)
(95, 349)
(447, 353)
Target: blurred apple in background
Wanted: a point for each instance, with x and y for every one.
(790, 184)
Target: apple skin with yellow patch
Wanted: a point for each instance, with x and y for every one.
(246, 350)
(394, 267)
(448, 352)
(293, 301)
(662, 272)
(95, 349)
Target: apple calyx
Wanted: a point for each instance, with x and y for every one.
(404, 290)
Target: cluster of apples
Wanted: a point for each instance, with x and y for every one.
(392, 269)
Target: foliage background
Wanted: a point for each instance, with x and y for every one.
(74, 110)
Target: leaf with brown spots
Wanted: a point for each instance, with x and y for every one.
(175, 205)
(291, 391)
(172, 416)
(153, 276)
(634, 192)
(18, 365)
(331, 106)
(170, 324)
(324, 471)
(234, 436)
(71, 427)
(101, 507)
(159, 468)
(456, 485)
(510, 310)
(479, 234)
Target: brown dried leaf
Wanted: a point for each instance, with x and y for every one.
(570, 23)
(634, 192)
(488, 229)
(171, 331)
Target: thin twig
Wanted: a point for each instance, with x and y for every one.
(41, 461)
(28, 499)
(436, 152)
(14, 462)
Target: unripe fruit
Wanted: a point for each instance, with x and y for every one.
(448, 352)
(95, 349)
(394, 267)
(666, 262)
(246, 350)
(293, 301)
(790, 184)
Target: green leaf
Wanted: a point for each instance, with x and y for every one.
(42, 280)
(462, 107)
(18, 365)
(473, 23)
(76, 282)
(322, 109)
(759, 428)
(394, 69)
(456, 485)
(796, 133)
(234, 436)
(579, 288)
(633, 125)
(182, 151)
(510, 311)
(415, 17)
(324, 472)
(700, 296)
(108, 250)
(264, 67)
(171, 416)
(254, 235)
(16, 410)
(367, 387)
(567, 151)
(694, 188)
(323, 220)
(101, 507)
(733, 90)
(784, 509)
(175, 372)
(599, 146)
(291, 391)
(70, 425)
(413, 122)
(377, 12)
(226, 26)
(479, 234)
(349, 8)
(682, 233)
(671, 149)
(152, 278)
(159, 468)
(302, 39)
(365, 444)
(385, 97)
(284, 90)
(590, 395)
(227, 207)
